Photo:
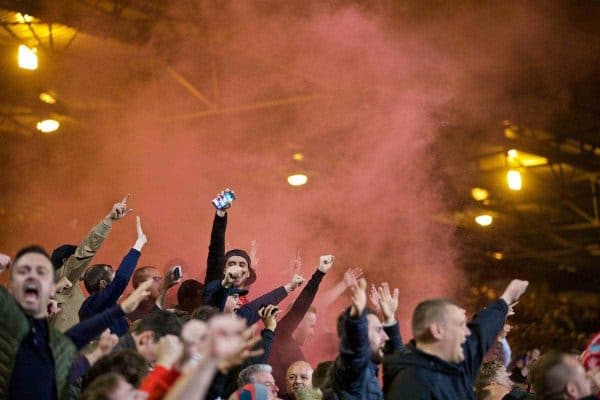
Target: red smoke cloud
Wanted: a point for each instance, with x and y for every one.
(358, 92)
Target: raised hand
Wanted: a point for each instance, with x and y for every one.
(63, 284)
(107, 342)
(514, 290)
(53, 308)
(4, 262)
(295, 283)
(268, 315)
(131, 303)
(352, 275)
(141, 237)
(218, 200)
(119, 210)
(388, 302)
(169, 280)
(374, 298)
(325, 263)
(170, 351)
(243, 353)
(359, 297)
(511, 309)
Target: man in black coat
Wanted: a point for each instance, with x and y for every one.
(443, 359)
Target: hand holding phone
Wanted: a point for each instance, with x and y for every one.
(224, 199)
(176, 273)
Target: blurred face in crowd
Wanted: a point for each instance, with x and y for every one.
(579, 385)
(299, 376)
(453, 332)
(146, 345)
(124, 391)
(110, 275)
(503, 378)
(194, 336)
(232, 304)
(157, 281)
(266, 378)
(377, 338)
(306, 328)
(238, 270)
(32, 283)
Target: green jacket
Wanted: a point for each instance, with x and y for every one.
(14, 326)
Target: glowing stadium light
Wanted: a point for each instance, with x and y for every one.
(48, 98)
(298, 156)
(484, 219)
(297, 180)
(512, 153)
(48, 125)
(24, 18)
(497, 255)
(479, 194)
(513, 178)
(28, 58)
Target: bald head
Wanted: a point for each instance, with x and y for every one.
(299, 376)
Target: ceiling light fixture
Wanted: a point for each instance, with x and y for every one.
(484, 219)
(28, 58)
(479, 194)
(48, 125)
(48, 98)
(513, 177)
(297, 179)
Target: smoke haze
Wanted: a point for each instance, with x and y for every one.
(364, 92)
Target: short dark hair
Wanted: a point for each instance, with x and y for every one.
(102, 387)
(550, 375)
(62, 252)
(341, 329)
(189, 290)
(321, 374)
(139, 275)
(425, 313)
(161, 323)
(488, 374)
(128, 363)
(34, 248)
(93, 275)
(204, 313)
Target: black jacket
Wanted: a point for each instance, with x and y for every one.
(416, 375)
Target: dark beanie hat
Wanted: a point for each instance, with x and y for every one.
(242, 253)
(239, 253)
(62, 252)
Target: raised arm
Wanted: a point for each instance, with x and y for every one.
(109, 295)
(350, 278)
(86, 331)
(388, 304)
(292, 318)
(250, 311)
(487, 324)
(355, 351)
(268, 315)
(76, 264)
(216, 248)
